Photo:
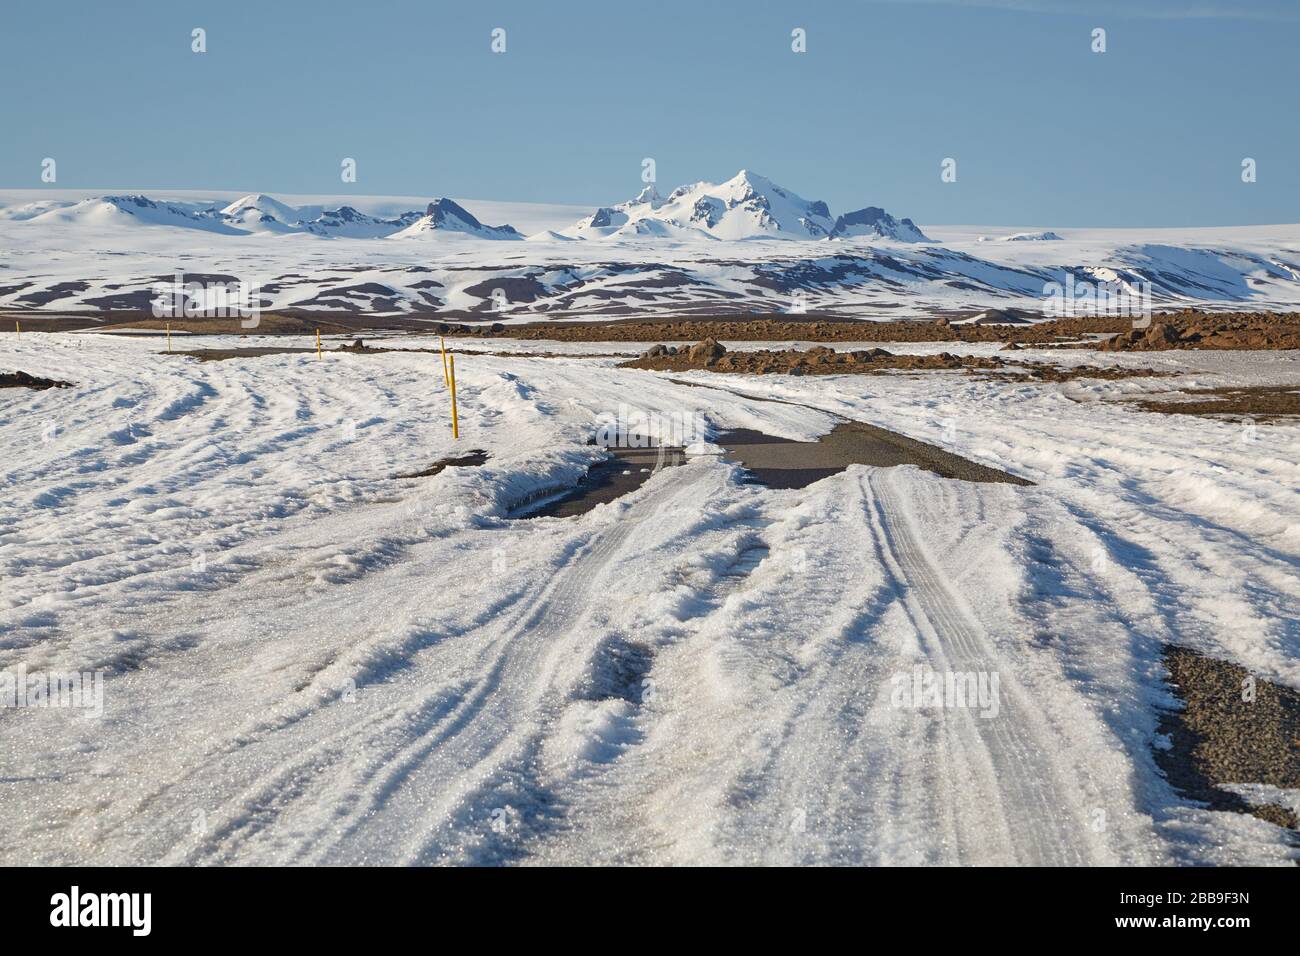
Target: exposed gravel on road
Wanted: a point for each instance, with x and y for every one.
(1228, 734)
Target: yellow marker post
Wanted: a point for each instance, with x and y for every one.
(18, 329)
(455, 421)
(318, 355)
(446, 379)
(169, 337)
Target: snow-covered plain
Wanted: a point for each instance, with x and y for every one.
(308, 660)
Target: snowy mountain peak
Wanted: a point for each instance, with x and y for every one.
(747, 206)
(649, 196)
(261, 207)
(444, 216)
(444, 212)
(745, 184)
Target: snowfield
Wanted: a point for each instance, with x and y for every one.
(308, 660)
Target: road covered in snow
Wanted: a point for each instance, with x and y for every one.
(308, 660)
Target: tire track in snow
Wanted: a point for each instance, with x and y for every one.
(530, 676)
(805, 759)
(1038, 814)
(768, 721)
(817, 754)
(426, 757)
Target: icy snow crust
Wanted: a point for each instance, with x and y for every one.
(309, 661)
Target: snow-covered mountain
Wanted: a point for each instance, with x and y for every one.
(874, 221)
(347, 222)
(1046, 236)
(258, 213)
(443, 216)
(135, 211)
(747, 206)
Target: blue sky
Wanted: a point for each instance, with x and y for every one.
(1044, 131)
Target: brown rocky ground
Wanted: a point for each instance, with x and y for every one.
(1191, 329)
(785, 329)
(758, 328)
(1220, 737)
(710, 355)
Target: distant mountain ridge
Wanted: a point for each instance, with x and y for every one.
(117, 268)
(747, 206)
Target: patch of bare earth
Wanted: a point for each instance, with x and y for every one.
(1234, 728)
(23, 380)
(624, 471)
(358, 347)
(470, 459)
(283, 322)
(266, 325)
(222, 355)
(1261, 402)
(783, 463)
